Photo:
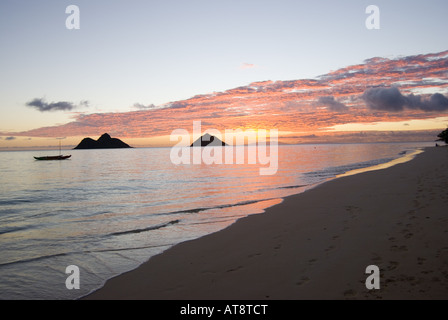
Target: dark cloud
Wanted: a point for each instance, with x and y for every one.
(178, 105)
(386, 99)
(332, 104)
(43, 106)
(391, 99)
(143, 107)
(437, 102)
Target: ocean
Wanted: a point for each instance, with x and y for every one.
(108, 211)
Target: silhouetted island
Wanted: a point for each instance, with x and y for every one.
(208, 140)
(104, 142)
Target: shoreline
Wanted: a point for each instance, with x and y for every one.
(306, 248)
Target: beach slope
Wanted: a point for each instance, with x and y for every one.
(317, 245)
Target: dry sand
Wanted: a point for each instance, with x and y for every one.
(317, 245)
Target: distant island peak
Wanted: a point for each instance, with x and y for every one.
(103, 142)
(208, 140)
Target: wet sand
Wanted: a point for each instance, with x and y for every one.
(317, 244)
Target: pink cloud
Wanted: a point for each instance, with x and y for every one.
(294, 106)
(247, 66)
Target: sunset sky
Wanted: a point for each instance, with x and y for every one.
(141, 69)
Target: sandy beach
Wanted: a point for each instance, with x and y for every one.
(317, 244)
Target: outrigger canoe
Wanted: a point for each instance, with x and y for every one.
(53, 157)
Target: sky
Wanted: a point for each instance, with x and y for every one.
(140, 69)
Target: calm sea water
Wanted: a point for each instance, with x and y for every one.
(108, 211)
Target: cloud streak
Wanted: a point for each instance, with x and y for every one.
(41, 105)
(140, 106)
(247, 66)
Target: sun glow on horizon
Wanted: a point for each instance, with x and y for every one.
(406, 125)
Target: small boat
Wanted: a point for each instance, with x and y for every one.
(53, 157)
(59, 157)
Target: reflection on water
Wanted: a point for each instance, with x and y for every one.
(405, 158)
(107, 211)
